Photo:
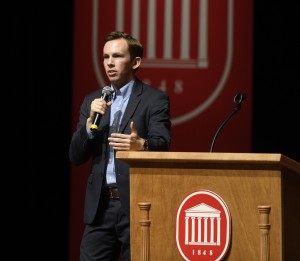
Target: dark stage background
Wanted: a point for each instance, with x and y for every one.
(42, 71)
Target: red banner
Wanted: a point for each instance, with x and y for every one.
(198, 51)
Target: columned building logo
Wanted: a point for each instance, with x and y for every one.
(187, 44)
(201, 215)
(203, 227)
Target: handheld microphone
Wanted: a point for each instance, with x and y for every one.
(238, 99)
(106, 92)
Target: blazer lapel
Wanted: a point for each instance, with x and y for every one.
(133, 102)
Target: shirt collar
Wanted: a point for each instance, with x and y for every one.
(125, 90)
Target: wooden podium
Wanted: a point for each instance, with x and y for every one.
(262, 192)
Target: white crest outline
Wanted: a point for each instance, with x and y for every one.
(219, 86)
(227, 214)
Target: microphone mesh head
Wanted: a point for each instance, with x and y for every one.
(107, 90)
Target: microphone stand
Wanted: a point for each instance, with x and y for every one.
(238, 101)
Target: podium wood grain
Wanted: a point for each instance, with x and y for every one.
(245, 181)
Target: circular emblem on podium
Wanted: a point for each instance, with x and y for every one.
(203, 227)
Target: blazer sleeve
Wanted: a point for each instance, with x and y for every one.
(152, 117)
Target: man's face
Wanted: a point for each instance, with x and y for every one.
(117, 63)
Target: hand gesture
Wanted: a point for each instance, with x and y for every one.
(127, 142)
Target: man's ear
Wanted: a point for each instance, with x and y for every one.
(136, 62)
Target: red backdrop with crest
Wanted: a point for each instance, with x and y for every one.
(198, 51)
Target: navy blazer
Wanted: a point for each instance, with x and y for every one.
(149, 108)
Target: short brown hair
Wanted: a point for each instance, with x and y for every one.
(134, 46)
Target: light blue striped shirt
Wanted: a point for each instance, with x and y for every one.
(120, 101)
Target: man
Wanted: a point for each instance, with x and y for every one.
(137, 118)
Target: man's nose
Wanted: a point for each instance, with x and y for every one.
(110, 61)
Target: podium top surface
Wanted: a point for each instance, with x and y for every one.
(278, 160)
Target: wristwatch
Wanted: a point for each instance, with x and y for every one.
(146, 145)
